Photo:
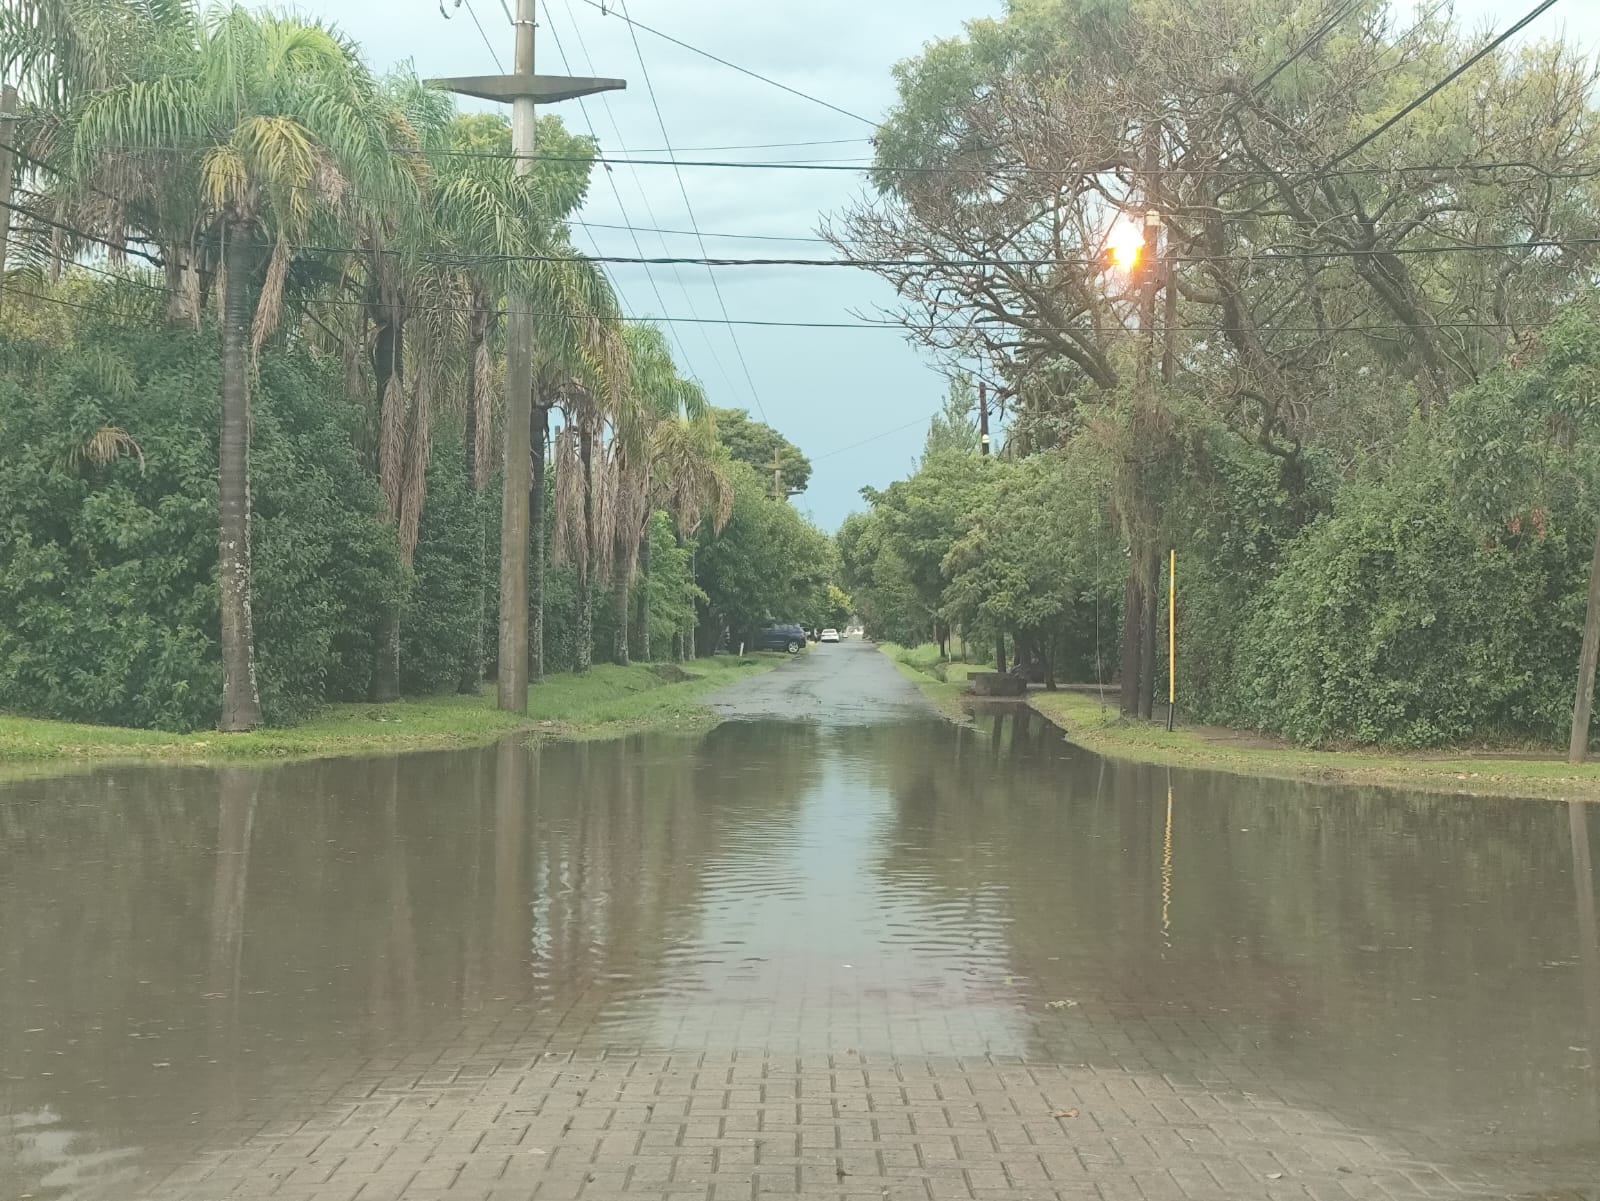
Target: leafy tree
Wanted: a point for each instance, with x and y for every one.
(108, 587)
(241, 138)
(764, 565)
(757, 444)
(953, 430)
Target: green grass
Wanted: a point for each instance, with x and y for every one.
(1106, 731)
(944, 684)
(607, 702)
(1103, 729)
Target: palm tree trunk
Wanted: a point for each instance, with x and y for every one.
(387, 352)
(619, 604)
(538, 437)
(641, 635)
(241, 703)
(472, 670)
(586, 561)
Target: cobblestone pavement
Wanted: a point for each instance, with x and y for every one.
(488, 1120)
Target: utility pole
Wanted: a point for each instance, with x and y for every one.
(525, 91)
(8, 169)
(776, 467)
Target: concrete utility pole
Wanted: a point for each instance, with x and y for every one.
(525, 91)
(8, 169)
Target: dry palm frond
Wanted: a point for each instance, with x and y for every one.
(104, 447)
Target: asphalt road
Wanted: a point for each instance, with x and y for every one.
(844, 683)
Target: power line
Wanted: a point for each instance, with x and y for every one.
(616, 192)
(637, 25)
(893, 325)
(688, 208)
(485, 36)
(874, 438)
(689, 233)
(1537, 11)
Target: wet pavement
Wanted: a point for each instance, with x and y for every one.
(835, 948)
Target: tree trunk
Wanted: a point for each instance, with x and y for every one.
(241, 703)
(384, 687)
(539, 437)
(1132, 608)
(472, 670)
(1049, 670)
(619, 604)
(1000, 651)
(388, 350)
(1578, 745)
(585, 647)
(641, 630)
(1147, 640)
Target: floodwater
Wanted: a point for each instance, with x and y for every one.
(191, 957)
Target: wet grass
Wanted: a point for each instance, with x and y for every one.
(607, 702)
(1102, 729)
(943, 683)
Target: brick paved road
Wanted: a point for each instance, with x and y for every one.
(481, 1119)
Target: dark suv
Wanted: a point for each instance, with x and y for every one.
(789, 638)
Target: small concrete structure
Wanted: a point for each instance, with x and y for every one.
(996, 683)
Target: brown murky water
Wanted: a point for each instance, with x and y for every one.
(184, 950)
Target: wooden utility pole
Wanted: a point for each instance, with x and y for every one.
(8, 169)
(525, 91)
(983, 418)
(776, 467)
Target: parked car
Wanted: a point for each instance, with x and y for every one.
(789, 638)
(829, 636)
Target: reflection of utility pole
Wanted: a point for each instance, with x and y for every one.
(1588, 933)
(524, 90)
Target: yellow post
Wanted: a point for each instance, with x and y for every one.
(1172, 638)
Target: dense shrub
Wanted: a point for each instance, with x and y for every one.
(1395, 621)
(108, 594)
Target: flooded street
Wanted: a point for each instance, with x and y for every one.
(836, 947)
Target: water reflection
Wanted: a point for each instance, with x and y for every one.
(187, 953)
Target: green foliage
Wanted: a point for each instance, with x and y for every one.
(673, 592)
(767, 564)
(1395, 621)
(108, 594)
(438, 625)
(752, 442)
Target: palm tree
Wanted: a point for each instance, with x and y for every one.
(506, 231)
(268, 125)
(689, 479)
(660, 396)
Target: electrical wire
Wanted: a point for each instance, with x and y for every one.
(634, 25)
(688, 208)
(644, 195)
(1533, 14)
(485, 36)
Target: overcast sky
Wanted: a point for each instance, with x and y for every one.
(827, 390)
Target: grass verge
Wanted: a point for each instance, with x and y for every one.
(944, 684)
(1103, 730)
(608, 702)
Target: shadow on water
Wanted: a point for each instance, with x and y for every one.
(186, 954)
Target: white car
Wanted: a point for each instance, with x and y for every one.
(829, 636)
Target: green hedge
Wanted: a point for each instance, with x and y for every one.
(108, 594)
